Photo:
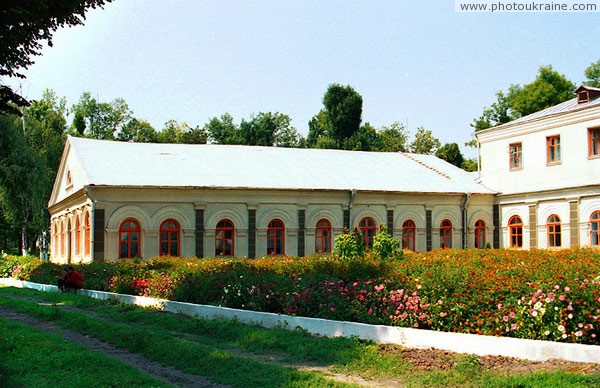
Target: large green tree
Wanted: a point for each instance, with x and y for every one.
(392, 139)
(549, 88)
(264, 128)
(138, 131)
(100, 120)
(24, 26)
(343, 108)
(223, 130)
(450, 152)
(592, 73)
(424, 142)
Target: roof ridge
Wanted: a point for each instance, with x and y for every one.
(411, 157)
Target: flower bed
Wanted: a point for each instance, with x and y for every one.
(549, 295)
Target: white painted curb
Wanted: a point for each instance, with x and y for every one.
(412, 338)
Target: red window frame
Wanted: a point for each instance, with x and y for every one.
(515, 226)
(368, 228)
(554, 231)
(130, 239)
(409, 235)
(323, 236)
(86, 238)
(225, 238)
(595, 229)
(77, 237)
(553, 149)
(446, 234)
(169, 238)
(480, 237)
(516, 156)
(275, 238)
(594, 142)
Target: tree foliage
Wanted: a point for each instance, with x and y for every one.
(549, 88)
(343, 108)
(450, 152)
(424, 142)
(24, 26)
(592, 73)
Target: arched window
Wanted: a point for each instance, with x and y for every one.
(77, 236)
(480, 234)
(275, 238)
(554, 233)
(368, 228)
(446, 234)
(129, 239)
(169, 238)
(62, 239)
(224, 238)
(515, 226)
(595, 229)
(409, 235)
(86, 239)
(323, 236)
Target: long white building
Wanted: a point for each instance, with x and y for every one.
(539, 186)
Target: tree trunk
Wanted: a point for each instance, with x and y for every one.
(24, 242)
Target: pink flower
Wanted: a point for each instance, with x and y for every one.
(567, 289)
(561, 298)
(370, 311)
(570, 307)
(512, 314)
(556, 287)
(505, 318)
(332, 309)
(579, 333)
(513, 326)
(499, 306)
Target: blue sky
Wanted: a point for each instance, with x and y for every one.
(418, 62)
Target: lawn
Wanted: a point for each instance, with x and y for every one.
(228, 352)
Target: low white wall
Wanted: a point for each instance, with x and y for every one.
(413, 338)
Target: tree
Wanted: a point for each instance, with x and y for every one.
(264, 128)
(138, 131)
(223, 130)
(424, 142)
(343, 107)
(469, 165)
(318, 127)
(362, 140)
(99, 120)
(23, 26)
(181, 133)
(548, 89)
(392, 139)
(592, 74)
(450, 152)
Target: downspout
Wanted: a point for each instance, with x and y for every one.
(465, 206)
(87, 192)
(350, 200)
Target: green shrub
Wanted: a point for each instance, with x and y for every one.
(386, 246)
(349, 246)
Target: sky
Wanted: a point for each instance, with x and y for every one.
(419, 63)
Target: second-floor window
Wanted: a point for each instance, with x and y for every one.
(516, 155)
(594, 142)
(553, 149)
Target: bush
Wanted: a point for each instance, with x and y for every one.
(349, 246)
(386, 246)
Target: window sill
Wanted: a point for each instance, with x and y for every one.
(516, 169)
(549, 164)
(594, 156)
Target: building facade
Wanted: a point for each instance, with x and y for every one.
(117, 200)
(546, 170)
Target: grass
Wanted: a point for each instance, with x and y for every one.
(232, 353)
(32, 358)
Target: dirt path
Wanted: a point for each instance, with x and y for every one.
(151, 368)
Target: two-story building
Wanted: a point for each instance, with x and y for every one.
(546, 170)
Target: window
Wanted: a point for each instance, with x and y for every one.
(594, 142)
(409, 235)
(368, 228)
(595, 229)
(515, 226)
(69, 179)
(480, 234)
(516, 155)
(129, 239)
(77, 236)
(583, 96)
(553, 149)
(553, 228)
(275, 238)
(323, 236)
(169, 238)
(224, 239)
(86, 238)
(446, 234)
(62, 240)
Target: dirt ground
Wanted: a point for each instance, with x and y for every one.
(420, 359)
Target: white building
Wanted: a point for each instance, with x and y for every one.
(114, 199)
(539, 187)
(546, 170)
